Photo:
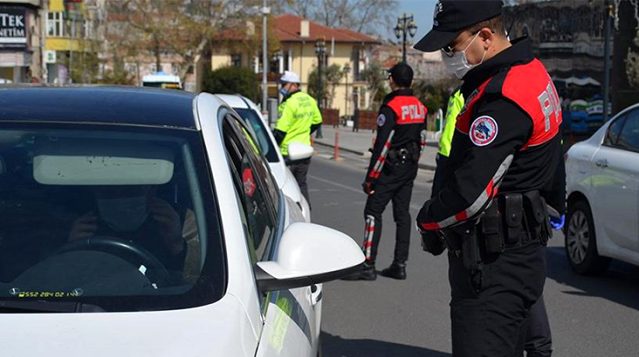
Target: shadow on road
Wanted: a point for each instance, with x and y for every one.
(335, 346)
(619, 284)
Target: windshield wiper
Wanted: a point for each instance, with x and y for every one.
(35, 306)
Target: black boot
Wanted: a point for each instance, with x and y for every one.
(396, 270)
(367, 272)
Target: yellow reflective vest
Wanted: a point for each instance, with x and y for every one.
(455, 105)
(297, 113)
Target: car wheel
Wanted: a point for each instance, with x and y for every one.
(581, 242)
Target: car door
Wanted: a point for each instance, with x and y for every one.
(615, 183)
(290, 327)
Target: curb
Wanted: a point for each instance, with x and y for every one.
(356, 152)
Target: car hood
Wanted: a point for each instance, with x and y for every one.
(220, 329)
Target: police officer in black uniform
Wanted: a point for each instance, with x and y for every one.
(491, 213)
(392, 169)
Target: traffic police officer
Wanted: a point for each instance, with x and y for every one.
(392, 169)
(299, 118)
(491, 211)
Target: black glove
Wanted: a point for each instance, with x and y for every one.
(432, 242)
(367, 186)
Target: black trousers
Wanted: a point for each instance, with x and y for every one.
(396, 185)
(538, 341)
(299, 169)
(492, 321)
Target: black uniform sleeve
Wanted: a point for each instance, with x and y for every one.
(385, 132)
(279, 135)
(481, 167)
(556, 197)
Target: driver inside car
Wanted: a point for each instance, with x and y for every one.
(136, 215)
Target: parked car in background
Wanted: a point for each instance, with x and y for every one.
(269, 147)
(162, 80)
(143, 222)
(603, 195)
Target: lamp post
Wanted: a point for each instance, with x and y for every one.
(405, 26)
(608, 13)
(265, 11)
(347, 71)
(320, 51)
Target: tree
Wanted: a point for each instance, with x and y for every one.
(370, 16)
(375, 77)
(331, 76)
(181, 29)
(232, 80)
(434, 94)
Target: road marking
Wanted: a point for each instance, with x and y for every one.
(413, 206)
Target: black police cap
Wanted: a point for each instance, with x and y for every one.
(453, 16)
(402, 74)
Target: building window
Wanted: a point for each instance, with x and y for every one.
(55, 24)
(236, 60)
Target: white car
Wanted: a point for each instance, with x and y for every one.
(266, 141)
(602, 182)
(142, 222)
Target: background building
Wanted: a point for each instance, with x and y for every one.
(72, 40)
(295, 41)
(20, 41)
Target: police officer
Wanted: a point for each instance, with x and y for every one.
(299, 118)
(392, 169)
(491, 211)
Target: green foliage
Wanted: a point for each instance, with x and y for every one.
(375, 76)
(232, 80)
(434, 94)
(331, 77)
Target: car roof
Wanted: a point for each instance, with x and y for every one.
(234, 100)
(96, 104)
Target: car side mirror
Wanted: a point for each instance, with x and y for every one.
(299, 151)
(309, 254)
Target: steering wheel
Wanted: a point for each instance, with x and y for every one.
(129, 251)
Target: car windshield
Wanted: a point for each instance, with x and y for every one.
(115, 218)
(256, 123)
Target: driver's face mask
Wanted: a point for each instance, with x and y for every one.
(123, 214)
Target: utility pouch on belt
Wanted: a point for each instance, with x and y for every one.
(491, 229)
(514, 213)
(471, 255)
(537, 216)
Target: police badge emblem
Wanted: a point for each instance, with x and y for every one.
(483, 131)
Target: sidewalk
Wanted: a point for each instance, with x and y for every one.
(359, 143)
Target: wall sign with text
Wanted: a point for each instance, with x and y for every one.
(13, 27)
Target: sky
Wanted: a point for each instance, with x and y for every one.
(422, 11)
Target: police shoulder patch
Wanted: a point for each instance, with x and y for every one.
(381, 120)
(483, 130)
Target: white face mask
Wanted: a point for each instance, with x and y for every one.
(457, 64)
(123, 214)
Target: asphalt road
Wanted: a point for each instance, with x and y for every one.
(589, 316)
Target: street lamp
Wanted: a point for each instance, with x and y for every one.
(320, 51)
(405, 26)
(265, 12)
(347, 70)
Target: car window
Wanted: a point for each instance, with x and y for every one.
(613, 131)
(251, 183)
(629, 136)
(263, 140)
(121, 218)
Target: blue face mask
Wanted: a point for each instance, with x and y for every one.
(123, 214)
(283, 91)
